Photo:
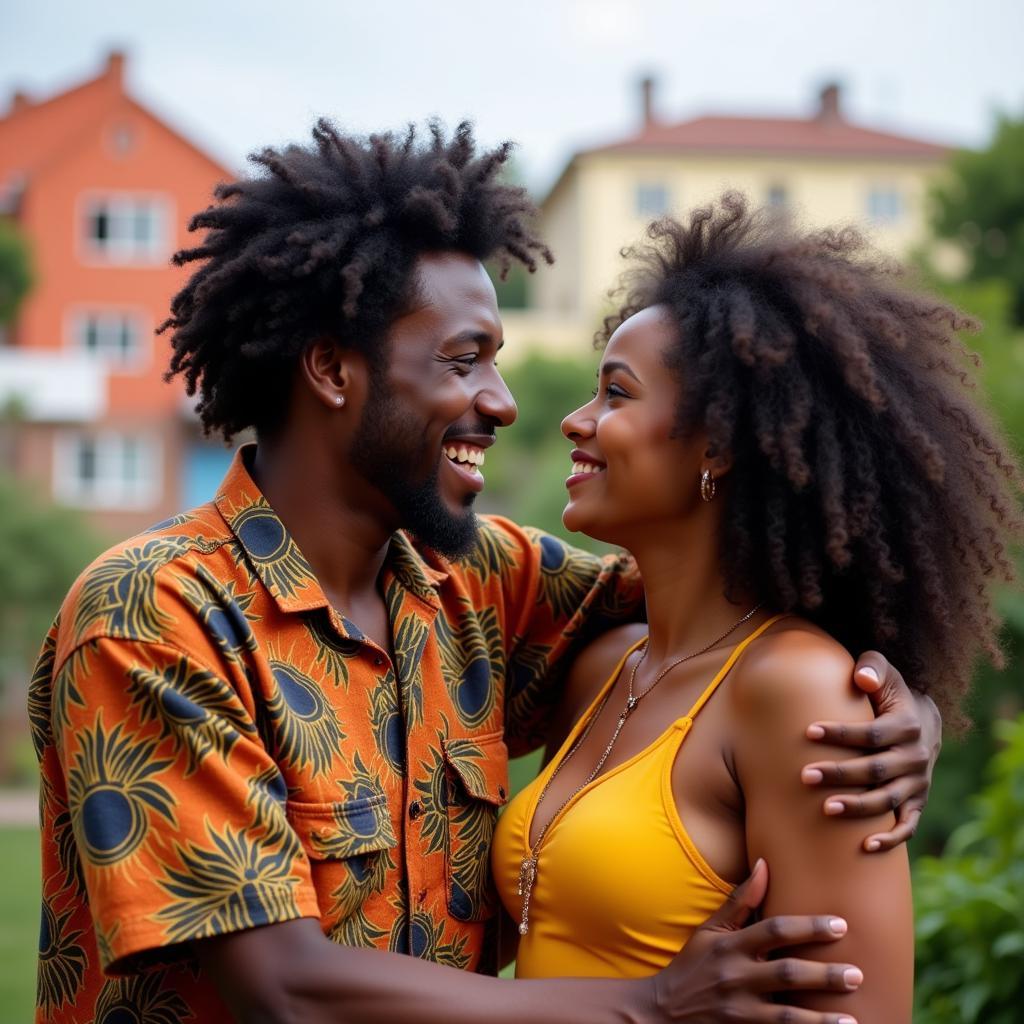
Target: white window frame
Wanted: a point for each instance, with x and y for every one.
(886, 203)
(643, 191)
(110, 321)
(111, 488)
(122, 247)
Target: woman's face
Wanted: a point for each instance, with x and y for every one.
(629, 472)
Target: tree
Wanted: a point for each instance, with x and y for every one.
(970, 904)
(15, 270)
(981, 207)
(42, 549)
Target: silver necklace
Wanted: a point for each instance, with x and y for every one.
(528, 868)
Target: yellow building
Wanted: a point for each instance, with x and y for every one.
(824, 169)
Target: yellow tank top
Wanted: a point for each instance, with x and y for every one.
(620, 886)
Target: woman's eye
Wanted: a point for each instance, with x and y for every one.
(609, 391)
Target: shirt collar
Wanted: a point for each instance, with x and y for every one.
(275, 558)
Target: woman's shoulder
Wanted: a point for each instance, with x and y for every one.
(595, 663)
(796, 670)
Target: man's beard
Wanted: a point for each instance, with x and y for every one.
(390, 453)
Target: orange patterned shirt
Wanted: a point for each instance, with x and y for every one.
(221, 749)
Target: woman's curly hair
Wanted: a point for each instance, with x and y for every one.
(324, 243)
(869, 490)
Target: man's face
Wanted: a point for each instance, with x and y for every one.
(434, 409)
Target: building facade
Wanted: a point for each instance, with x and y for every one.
(102, 190)
(822, 169)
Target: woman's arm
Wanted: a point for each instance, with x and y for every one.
(818, 864)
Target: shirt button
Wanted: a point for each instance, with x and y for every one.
(501, 792)
(421, 896)
(415, 810)
(378, 661)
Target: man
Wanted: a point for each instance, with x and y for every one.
(284, 718)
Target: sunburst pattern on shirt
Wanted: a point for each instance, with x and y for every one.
(62, 960)
(198, 712)
(306, 730)
(112, 792)
(235, 881)
(472, 658)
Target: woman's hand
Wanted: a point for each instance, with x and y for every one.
(723, 973)
(903, 743)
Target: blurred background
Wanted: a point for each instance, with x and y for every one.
(117, 119)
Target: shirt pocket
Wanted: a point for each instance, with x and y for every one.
(478, 786)
(352, 840)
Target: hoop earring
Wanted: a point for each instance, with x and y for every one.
(707, 485)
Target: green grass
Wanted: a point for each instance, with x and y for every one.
(19, 923)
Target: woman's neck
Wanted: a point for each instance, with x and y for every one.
(685, 590)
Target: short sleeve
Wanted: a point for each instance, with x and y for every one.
(176, 807)
(559, 597)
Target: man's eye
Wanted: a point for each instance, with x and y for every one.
(466, 362)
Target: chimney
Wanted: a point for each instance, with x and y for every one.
(115, 68)
(647, 98)
(19, 102)
(828, 100)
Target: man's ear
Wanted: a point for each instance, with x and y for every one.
(335, 375)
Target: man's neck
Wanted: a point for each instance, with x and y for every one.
(345, 540)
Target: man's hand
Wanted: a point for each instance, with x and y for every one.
(903, 743)
(723, 974)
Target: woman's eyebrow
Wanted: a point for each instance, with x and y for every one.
(617, 364)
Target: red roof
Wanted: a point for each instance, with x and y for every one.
(33, 133)
(822, 136)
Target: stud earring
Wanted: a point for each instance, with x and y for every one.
(707, 485)
(339, 400)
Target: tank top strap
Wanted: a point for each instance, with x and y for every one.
(737, 651)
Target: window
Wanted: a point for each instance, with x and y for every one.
(652, 200)
(778, 196)
(115, 336)
(885, 204)
(108, 470)
(127, 229)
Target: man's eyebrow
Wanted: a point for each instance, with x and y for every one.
(472, 337)
(617, 364)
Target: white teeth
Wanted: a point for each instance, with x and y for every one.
(582, 468)
(468, 456)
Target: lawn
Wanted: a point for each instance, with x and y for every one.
(19, 923)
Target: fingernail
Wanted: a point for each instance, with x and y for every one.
(868, 671)
(837, 926)
(846, 1020)
(833, 807)
(852, 977)
(811, 776)
(872, 845)
(815, 732)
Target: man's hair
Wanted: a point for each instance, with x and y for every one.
(868, 490)
(324, 243)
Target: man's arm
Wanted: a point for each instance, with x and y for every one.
(291, 972)
(902, 744)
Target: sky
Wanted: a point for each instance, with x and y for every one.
(554, 75)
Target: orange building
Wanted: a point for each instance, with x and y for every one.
(103, 191)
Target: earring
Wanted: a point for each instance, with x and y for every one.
(339, 400)
(707, 485)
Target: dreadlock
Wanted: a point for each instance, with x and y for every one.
(868, 490)
(324, 243)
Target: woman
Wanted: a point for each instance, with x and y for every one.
(778, 426)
